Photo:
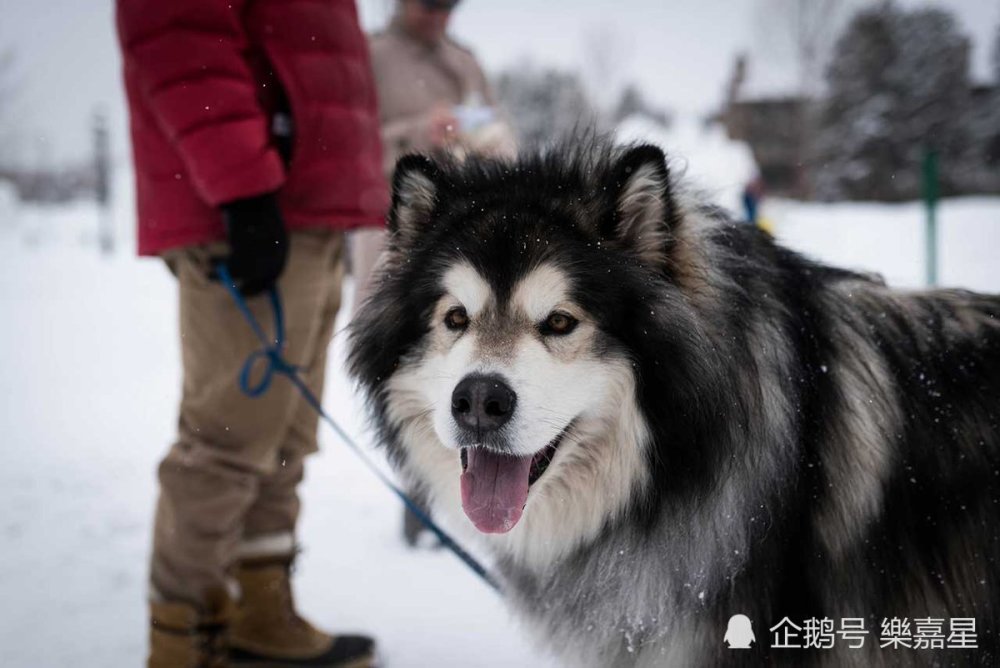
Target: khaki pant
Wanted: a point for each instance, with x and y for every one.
(228, 485)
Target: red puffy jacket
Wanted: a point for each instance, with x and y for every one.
(204, 78)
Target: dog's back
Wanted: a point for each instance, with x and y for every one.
(928, 545)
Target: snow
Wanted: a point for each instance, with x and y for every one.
(701, 154)
(885, 238)
(890, 238)
(89, 391)
(90, 387)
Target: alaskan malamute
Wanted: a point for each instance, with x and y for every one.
(665, 427)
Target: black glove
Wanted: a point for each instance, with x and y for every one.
(258, 243)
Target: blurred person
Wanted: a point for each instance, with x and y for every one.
(433, 94)
(753, 193)
(255, 139)
(433, 98)
(753, 199)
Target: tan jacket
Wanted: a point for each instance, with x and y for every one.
(412, 78)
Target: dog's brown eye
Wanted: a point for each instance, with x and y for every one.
(456, 318)
(559, 324)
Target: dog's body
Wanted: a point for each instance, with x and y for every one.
(732, 428)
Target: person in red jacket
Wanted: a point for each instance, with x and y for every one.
(256, 141)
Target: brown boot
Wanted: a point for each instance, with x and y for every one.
(182, 636)
(266, 630)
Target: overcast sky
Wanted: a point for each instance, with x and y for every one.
(679, 51)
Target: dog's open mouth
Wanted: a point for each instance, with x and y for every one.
(495, 485)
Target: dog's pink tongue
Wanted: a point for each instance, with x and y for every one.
(494, 489)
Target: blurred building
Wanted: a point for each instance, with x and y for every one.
(53, 185)
(872, 112)
(776, 126)
(58, 184)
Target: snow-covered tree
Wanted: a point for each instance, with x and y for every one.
(604, 62)
(633, 102)
(7, 94)
(985, 125)
(898, 86)
(545, 104)
(802, 33)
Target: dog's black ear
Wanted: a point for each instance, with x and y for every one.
(414, 195)
(643, 207)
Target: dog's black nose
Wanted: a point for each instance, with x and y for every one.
(482, 404)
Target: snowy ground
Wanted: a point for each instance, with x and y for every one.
(89, 378)
(89, 388)
(890, 239)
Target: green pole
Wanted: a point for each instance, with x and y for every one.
(931, 190)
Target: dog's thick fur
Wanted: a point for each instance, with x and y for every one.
(746, 430)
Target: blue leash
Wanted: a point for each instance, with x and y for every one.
(275, 363)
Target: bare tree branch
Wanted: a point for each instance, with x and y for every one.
(807, 29)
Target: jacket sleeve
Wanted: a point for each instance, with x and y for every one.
(187, 57)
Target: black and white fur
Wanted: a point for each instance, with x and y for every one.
(749, 431)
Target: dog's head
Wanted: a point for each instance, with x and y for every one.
(499, 347)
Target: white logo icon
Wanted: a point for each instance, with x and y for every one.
(739, 635)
